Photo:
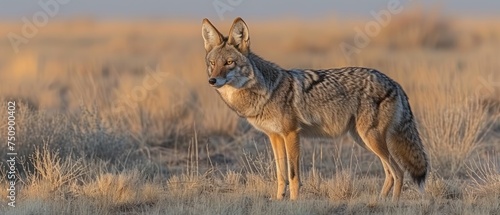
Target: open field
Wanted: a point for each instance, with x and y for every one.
(118, 118)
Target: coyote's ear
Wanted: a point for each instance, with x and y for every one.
(238, 36)
(211, 35)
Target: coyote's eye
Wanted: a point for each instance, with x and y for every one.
(229, 62)
(212, 62)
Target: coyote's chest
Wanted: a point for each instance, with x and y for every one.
(242, 101)
(234, 99)
(228, 94)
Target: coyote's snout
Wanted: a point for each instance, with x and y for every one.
(287, 104)
(230, 78)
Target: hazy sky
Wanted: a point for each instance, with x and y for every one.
(197, 9)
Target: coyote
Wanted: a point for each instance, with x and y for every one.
(286, 104)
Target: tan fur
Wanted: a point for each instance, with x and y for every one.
(287, 104)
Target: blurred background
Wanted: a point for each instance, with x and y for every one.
(259, 9)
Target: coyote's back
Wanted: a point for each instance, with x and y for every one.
(287, 104)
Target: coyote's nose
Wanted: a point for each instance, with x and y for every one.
(212, 81)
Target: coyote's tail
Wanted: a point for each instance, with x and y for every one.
(406, 146)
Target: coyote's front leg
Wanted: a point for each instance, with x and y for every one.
(278, 144)
(292, 146)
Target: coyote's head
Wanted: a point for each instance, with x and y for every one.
(226, 59)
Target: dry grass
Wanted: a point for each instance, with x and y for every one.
(117, 118)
